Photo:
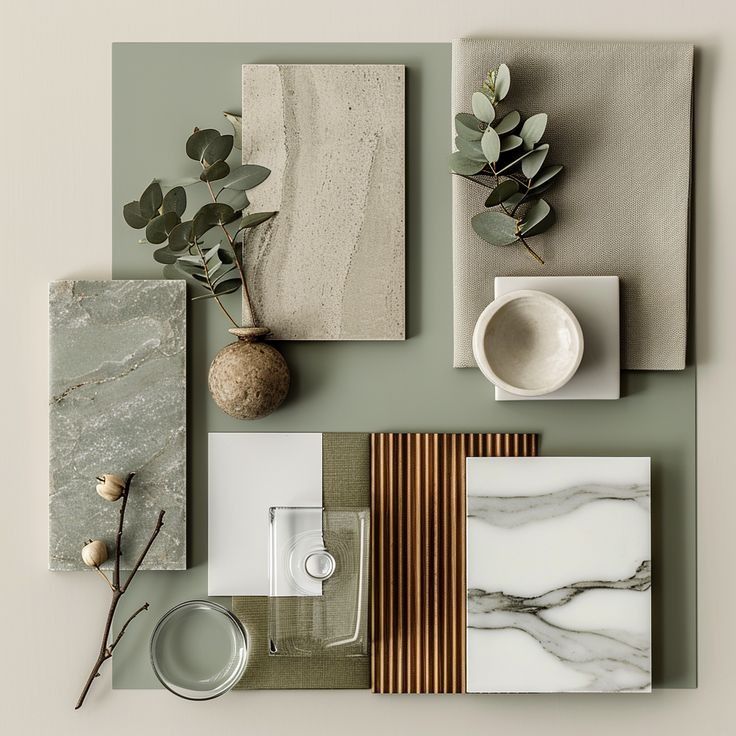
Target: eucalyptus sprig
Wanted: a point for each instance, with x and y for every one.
(213, 266)
(493, 152)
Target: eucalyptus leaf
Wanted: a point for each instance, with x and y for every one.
(182, 181)
(541, 189)
(545, 224)
(174, 272)
(214, 213)
(470, 149)
(171, 271)
(510, 142)
(175, 200)
(502, 192)
(201, 224)
(213, 268)
(237, 199)
(228, 286)
(515, 200)
(198, 142)
(218, 149)
(232, 272)
(533, 130)
(192, 266)
(482, 107)
(508, 122)
(537, 218)
(159, 228)
(151, 200)
(246, 177)
(181, 237)
(254, 219)
(512, 164)
(227, 254)
(132, 215)
(218, 170)
(461, 164)
(502, 82)
(212, 258)
(495, 228)
(222, 213)
(491, 145)
(546, 175)
(237, 122)
(533, 162)
(468, 126)
(200, 277)
(223, 287)
(164, 255)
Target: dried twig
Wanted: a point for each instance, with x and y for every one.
(118, 590)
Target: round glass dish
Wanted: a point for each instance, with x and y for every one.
(198, 650)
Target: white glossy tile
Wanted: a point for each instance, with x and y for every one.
(558, 574)
(250, 472)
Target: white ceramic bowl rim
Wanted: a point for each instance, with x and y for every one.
(484, 321)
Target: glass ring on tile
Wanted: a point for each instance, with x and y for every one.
(320, 565)
(309, 559)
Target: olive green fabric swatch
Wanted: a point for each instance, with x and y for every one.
(346, 469)
(265, 672)
(345, 484)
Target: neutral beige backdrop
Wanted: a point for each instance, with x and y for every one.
(54, 200)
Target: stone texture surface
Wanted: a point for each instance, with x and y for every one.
(330, 266)
(117, 404)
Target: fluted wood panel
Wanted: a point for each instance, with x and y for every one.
(418, 555)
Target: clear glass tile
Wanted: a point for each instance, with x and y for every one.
(319, 581)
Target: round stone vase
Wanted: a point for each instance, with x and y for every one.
(249, 378)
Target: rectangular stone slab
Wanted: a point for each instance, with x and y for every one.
(117, 404)
(330, 265)
(558, 574)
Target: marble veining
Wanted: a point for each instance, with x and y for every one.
(117, 403)
(330, 266)
(526, 632)
(517, 510)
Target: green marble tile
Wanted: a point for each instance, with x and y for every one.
(117, 405)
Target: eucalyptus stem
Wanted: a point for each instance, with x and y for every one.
(212, 288)
(238, 261)
(490, 155)
(531, 250)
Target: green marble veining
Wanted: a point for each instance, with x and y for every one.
(117, 404)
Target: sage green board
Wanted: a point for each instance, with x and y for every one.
(160, 91)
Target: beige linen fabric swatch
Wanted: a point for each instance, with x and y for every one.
(620, 123)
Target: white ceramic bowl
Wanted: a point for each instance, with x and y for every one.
(528, 343)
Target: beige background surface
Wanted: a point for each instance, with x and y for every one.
(55, 194)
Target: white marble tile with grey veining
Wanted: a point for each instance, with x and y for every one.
(330, 265)
(558, 575)
(117, 404)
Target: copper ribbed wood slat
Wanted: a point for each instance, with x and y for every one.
(418, 555)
